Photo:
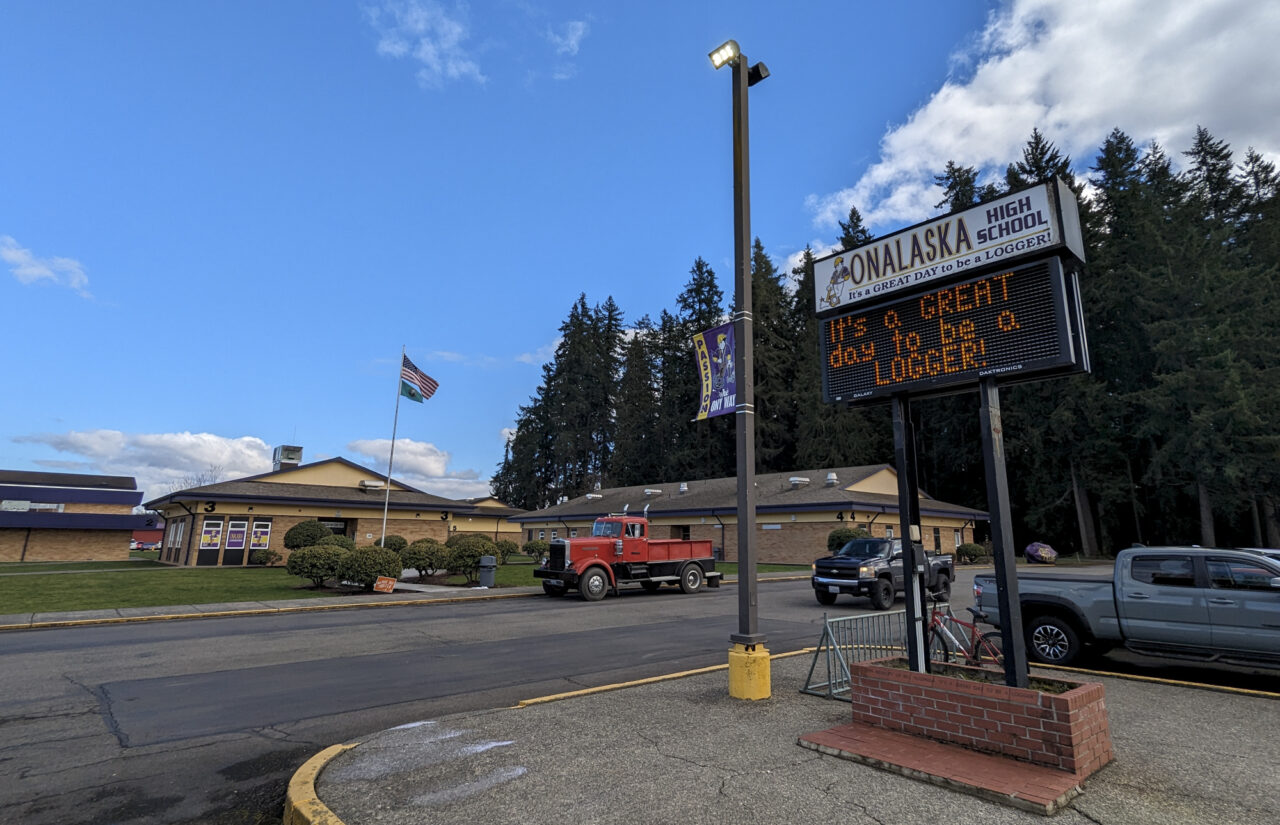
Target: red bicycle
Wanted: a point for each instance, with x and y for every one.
(954, 641)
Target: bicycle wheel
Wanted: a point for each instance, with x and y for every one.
(989, 652)
(939, 648)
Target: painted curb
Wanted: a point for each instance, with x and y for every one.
(301, 805)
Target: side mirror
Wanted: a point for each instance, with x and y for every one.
(896, 557)
(1275, 583)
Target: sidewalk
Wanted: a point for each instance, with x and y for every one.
(682, 751)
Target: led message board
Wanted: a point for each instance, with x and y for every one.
(1016, 323)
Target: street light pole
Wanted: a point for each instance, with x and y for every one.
(749, 672)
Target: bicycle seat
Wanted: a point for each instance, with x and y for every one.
(977, 614)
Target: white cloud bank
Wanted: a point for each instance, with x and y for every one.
(156, 460)
(1077, 69)
(422, 465)
(29, 269)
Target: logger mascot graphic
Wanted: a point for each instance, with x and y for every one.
(839, 282)
(722, 359)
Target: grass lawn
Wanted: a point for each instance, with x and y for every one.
(150, 588)
(112, 584)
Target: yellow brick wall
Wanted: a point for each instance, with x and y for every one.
(64, 545)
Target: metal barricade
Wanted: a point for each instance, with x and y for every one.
(848, 639)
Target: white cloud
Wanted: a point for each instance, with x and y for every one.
(568, 36)
(29, 269)
(541, 355)
(427, 34)
(421, 465)
(156, 460)
(1076, 69)
(507, 434)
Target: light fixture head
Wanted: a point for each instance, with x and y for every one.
(726, 53)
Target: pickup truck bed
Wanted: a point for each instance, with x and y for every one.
(1182, 602)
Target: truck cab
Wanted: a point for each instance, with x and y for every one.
(622, 551)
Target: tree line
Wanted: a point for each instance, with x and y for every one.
(1170, 439)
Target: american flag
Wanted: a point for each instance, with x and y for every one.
(425, 383)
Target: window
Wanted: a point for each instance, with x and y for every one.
(1166, 571)
(684, 532)
(888, 532)
(1239, 575)
(573, 532)
(553, 534)
(959, 537)
(937, 539)
(542, 534)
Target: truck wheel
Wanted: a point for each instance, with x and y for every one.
(651, 586)
(1052, 641)
(691, 578)
(882, 594)
(825, 597)
(593, 584)
(553, 589)
(943, 588)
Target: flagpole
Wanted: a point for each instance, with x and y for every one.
(386, 501)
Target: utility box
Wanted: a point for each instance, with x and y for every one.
(488, 570)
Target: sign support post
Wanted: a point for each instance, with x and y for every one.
(1013, 645)
(904, 451)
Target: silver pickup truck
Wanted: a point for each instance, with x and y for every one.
(1183, 602)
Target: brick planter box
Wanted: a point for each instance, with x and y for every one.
(1067, 731)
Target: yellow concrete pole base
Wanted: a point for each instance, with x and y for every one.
(749, 674)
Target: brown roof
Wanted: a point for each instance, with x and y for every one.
(774, 493)
(246, 490)
(40, 479)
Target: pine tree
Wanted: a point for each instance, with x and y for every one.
(637, 452)
(774, 366)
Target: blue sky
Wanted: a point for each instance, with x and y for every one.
(219, 222)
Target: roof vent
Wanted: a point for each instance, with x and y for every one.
(651, 492)
(684, 487)
(832, 479)
(370, 484)
(597, 487)
(798, 481)
(594, 495)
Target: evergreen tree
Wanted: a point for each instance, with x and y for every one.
(774, 366)
(829, 435)
(852, 231)
(637, 452)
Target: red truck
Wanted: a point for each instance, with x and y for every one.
(620, 552)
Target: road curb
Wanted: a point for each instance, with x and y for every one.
(307, 608)
(301, 805)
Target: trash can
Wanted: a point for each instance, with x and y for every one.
(488, 569)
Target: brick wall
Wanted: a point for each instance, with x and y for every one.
(1067, 731)
(64, 545)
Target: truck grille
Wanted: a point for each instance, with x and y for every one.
(557, 555)
(838, 573)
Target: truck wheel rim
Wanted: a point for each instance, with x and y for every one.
(1049, 642)
(596, 584)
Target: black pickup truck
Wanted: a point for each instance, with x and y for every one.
(873, 568)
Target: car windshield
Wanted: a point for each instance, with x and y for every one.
(609, 529)
(865, 548)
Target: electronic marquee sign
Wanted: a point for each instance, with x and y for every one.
(1037, 222)
(1018, 324)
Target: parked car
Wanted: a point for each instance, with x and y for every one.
(1181, 602)
(873, 568)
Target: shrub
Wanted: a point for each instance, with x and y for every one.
(971, 552)
(506, 549)
(338, 541)
(305, 534)
(424, 555)
(319, 562)
(536, 548)
(364, 565)
(464, 555)
(264, 557)
(392, 542)
(841, 536)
